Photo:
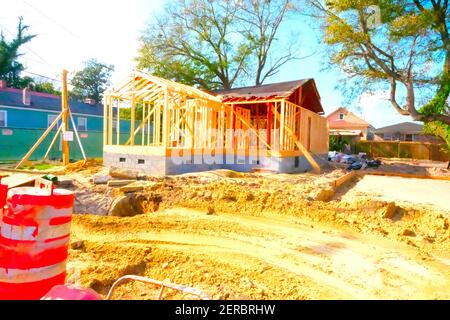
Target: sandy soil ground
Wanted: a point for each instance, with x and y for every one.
(247, 236)
(419, 167)
(259, 236)
(435, 193)
(267, 257)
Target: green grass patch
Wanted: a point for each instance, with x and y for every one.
(38, 166)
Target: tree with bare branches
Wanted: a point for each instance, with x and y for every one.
(217, 43)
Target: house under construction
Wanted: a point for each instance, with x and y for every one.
(175, 128)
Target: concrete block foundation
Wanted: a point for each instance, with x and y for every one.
(165, 165)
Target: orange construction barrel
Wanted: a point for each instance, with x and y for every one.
(3, 193)
(34, 238)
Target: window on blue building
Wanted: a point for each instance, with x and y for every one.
(3, 118)
(82, 124)
(50, 119)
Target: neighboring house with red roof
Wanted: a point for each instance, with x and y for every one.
(342, 122)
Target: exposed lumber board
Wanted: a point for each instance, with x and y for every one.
(33, 148)
(20, 179)
(110, 126)
(52, 143)
(119, 183)
(131, 188)
(166, 119)
(105, 120)
(302, 148)
(342, 180)
(133, 116)
(253, 102)
(118, 122)
(140, 125)
(253, 129)
(65, 117)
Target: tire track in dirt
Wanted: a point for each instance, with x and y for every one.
(354, 266)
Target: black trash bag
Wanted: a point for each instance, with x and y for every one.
(373, 163)
(357, 165)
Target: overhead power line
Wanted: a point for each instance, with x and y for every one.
(52, 20)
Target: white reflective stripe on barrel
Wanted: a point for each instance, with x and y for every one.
(26, 233)
(8, 275)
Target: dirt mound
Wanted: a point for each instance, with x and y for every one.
(89, 166)
(260, 236)
(230, 256)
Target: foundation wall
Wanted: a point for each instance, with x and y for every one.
(162, 165)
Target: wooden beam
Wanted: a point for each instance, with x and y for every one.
(133, 115)
(52, 143)
(345, 178)
(77, 136)
(269, 124)
(251, 128)
(110, 121)
(65, 118)
(141, 125)
(30, 152)
(118, 122)
(302, 148)
(282, 123)
(253, 101)
(166, 120)
(105, 120)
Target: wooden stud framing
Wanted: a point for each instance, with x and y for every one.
(178, 116)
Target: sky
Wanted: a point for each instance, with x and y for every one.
(73, 31)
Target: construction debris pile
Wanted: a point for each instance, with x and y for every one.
(355, 162)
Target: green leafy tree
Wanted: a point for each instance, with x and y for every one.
(10, 67)
(45, 87)
(391, 43)
(92, 81)
(215, 44)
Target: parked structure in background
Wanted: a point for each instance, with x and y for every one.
(344, 123)
(405, 131)
(25, 115)
(183, 129)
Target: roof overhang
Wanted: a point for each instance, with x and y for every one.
(343, 132)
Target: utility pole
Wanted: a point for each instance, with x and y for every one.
(65, 118)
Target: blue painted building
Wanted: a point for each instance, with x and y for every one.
(25, 115)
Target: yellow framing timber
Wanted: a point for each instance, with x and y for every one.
(133, 115)
(118, 122)
(302, 148)
(52, 143)
(25, 158)
(141, 125)
(251, 128)
(105, 120)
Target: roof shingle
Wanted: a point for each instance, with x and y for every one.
(13, 97)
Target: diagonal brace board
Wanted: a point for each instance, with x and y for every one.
(251, 128)
(52, 143)
(142, 124)
(33, 148)
(302, 148)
